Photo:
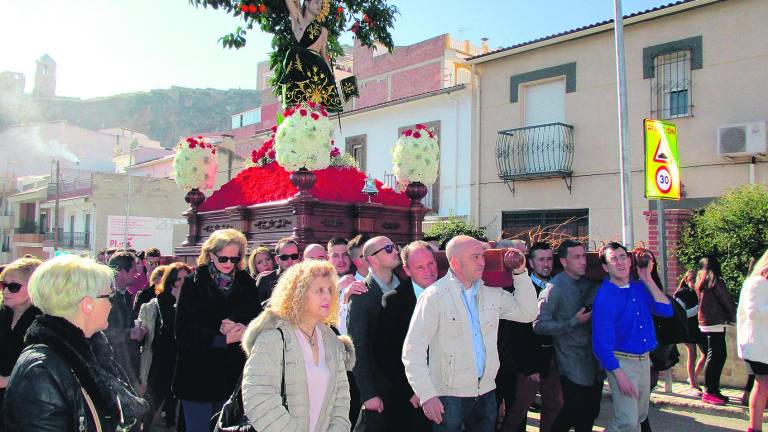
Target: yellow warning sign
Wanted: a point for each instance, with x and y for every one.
(662, 167)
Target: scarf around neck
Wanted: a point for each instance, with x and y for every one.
(223, 281)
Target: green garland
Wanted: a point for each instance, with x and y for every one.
(369, 20)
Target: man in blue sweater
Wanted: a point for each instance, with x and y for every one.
(623, 334)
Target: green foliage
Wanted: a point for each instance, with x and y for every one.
(369, 20)
(733, 229)
(448, 229)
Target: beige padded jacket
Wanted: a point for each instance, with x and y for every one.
(262, 377)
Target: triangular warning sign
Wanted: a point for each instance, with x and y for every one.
(662, 152)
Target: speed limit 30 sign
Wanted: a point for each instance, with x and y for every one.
(662, 166)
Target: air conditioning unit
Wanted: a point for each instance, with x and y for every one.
(744, 139)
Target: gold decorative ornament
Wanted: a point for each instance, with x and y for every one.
(326, 9)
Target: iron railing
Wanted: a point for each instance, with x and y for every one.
(70, 186)
(77, 240)
(535, 151)
(29, 227)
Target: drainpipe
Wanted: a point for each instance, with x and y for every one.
(752, 170)
(474, 213)
(456, 161)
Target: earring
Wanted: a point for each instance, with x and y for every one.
(90, 308)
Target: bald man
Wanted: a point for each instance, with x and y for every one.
(456, 320)
(362, 323)
(315, 251)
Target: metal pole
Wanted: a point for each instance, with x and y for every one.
(624, 168)
(662, 263)
(128, 196)
(56, 210)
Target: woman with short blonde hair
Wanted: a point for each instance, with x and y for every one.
(67, 375)
(215, 304)
(292, 346)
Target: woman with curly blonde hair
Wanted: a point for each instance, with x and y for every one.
(291, 346)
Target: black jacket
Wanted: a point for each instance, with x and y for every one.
(266, 283)
(44, 393)
(118, 333)
(206, 368)
(12, 342)
(398, 306)
(522, 349)
(362, 326)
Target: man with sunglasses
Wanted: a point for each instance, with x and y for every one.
(286, 255)
(362, 324)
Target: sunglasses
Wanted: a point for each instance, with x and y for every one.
(286, 257)
(224, 259)
(13, 287)
(388, 248)
(106, 296)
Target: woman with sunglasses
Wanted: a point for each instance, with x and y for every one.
(158, 318)
(215, 305)
(66, 379)
(16, 315)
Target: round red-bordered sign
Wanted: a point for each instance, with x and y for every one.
(663, 179)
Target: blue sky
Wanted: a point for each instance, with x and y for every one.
(106, 47)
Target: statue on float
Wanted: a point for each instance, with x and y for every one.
(306, 42)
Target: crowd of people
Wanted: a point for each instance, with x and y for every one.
(362, 334)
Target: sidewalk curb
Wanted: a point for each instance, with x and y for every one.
(662, 400)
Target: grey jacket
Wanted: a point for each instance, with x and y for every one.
(263, 374)
(558, 304)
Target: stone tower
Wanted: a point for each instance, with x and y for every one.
(45, 77)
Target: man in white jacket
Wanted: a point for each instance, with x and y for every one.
(457, 320)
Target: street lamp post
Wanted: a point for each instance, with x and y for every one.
(624, 168)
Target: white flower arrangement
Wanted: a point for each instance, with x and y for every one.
(303, 139)
(194, 166)
(416, 156)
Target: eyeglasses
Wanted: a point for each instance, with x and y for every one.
(388, 248)
(286, 257)
(13, 287)
(233, 260)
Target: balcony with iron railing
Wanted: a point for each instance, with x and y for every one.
(70, 188)
(71, 240)
(28, 232)
(541, 151)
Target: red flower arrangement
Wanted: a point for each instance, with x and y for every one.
(271, 182)
(199, 143)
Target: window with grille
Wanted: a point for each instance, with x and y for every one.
(357, 147)
(545, 224)
(671, 95)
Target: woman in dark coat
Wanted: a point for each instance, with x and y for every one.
(716, 310)
(66, 379)
(158, 357)
(16, 315)
(215, 305)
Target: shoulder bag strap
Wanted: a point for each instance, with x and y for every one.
(92, 409)
(282, 379)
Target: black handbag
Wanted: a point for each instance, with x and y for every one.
(232, 416)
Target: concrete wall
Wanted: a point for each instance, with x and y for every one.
(152, 197)
(729, 88)
(381, 125)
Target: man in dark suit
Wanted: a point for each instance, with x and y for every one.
(286, 255)
(403, 405)
(362, 326)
